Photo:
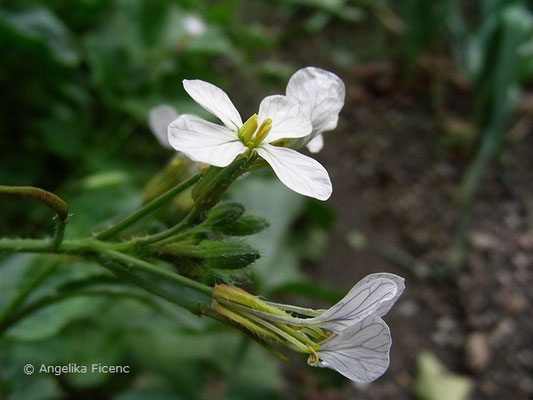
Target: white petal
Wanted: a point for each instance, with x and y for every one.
(316, 144)
(288, 121)
(365, 298)
(375, 294)
(320, 94)
(214, 100)
(360, 353)
(386, 304)
(159, 117)
(298, 172)
(203, 141)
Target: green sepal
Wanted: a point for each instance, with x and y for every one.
(224, 214)
(246, 224)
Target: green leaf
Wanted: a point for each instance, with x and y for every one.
(279, 263)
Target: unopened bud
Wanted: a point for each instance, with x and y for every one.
(246, 224)
(227, 254)
(224, 214)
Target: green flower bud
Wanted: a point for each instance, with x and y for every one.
(246, 224)
(221, 254)
(224, 214)
(228, 254)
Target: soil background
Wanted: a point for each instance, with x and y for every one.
(396, 182)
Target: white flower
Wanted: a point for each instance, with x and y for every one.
(320, 94)
(159, 117)
(359, 349)
(373, 295)
(194, 26)
(360, 353)
(279, 117)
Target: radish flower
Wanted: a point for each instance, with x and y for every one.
(350, 337)
(320, 94)
(279, 117)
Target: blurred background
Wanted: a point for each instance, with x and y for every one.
(431, 167)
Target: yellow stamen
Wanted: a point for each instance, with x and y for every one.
(248, 129)
(262, 131)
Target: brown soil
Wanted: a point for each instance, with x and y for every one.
(395, 184)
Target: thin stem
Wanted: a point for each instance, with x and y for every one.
(168, 232)
(59, 234)
(172, 297)
(24, 245)
(146, 209)
(154, 270)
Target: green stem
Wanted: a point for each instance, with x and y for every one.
(141, 241)
(154, 270)
(24, 245)
(59, 234)
(146, 209)
(121, 271)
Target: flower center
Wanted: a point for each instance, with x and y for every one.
(252, 135)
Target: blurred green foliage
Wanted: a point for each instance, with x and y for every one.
(77, 80)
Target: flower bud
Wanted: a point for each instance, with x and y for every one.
(227, 254)
(224, 214)
(221, 254)
(246, 224)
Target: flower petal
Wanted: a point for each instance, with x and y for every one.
(159, 117)
(316, 144)
(214, 100)
(365, 298)
(375, 294)
(288, 121)
(300, 173)
(386, 304)
(203, 141)
(320, 94)
(360, 353)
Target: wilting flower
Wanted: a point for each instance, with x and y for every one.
(350, 337)
(320, 94)
(159, 118)
(279, 117)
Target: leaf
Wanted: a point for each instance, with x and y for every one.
(434, 382)
(279, 262)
